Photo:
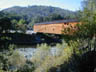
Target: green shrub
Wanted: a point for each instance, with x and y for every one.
(44, 61)
(28, 67)
(40, 55)
(17, 60)
(10, 58)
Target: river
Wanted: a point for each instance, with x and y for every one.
(29, 52)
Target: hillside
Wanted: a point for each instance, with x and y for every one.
(35, 11)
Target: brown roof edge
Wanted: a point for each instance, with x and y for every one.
(58, 21)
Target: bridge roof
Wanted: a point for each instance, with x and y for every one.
(58, 21)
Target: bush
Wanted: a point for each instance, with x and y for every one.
(44, 60)
(40, 55)
(28, 67)
(11, 59)
(17, 60)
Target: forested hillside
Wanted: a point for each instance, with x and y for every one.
(35, 14)
(33, 11)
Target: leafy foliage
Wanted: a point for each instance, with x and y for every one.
(5, 24)
(45, 61)
(88, 20)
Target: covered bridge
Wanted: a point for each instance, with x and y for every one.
(55, 27)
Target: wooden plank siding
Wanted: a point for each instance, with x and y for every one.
(54, 28)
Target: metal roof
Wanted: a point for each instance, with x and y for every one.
(57, 21)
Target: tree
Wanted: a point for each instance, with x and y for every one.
(86, 31)
(22, 25)
(55, 16)
(88, 19)
(14, 24)
(87, 28)
(5, 24)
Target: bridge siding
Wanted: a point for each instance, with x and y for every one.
(54, 28)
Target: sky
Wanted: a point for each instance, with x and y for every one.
(64, 4)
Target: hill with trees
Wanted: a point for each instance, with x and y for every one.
(33, 11)
(36, 14)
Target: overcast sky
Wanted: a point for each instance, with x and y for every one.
(65, 4)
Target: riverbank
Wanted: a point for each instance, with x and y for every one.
(30, 39)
